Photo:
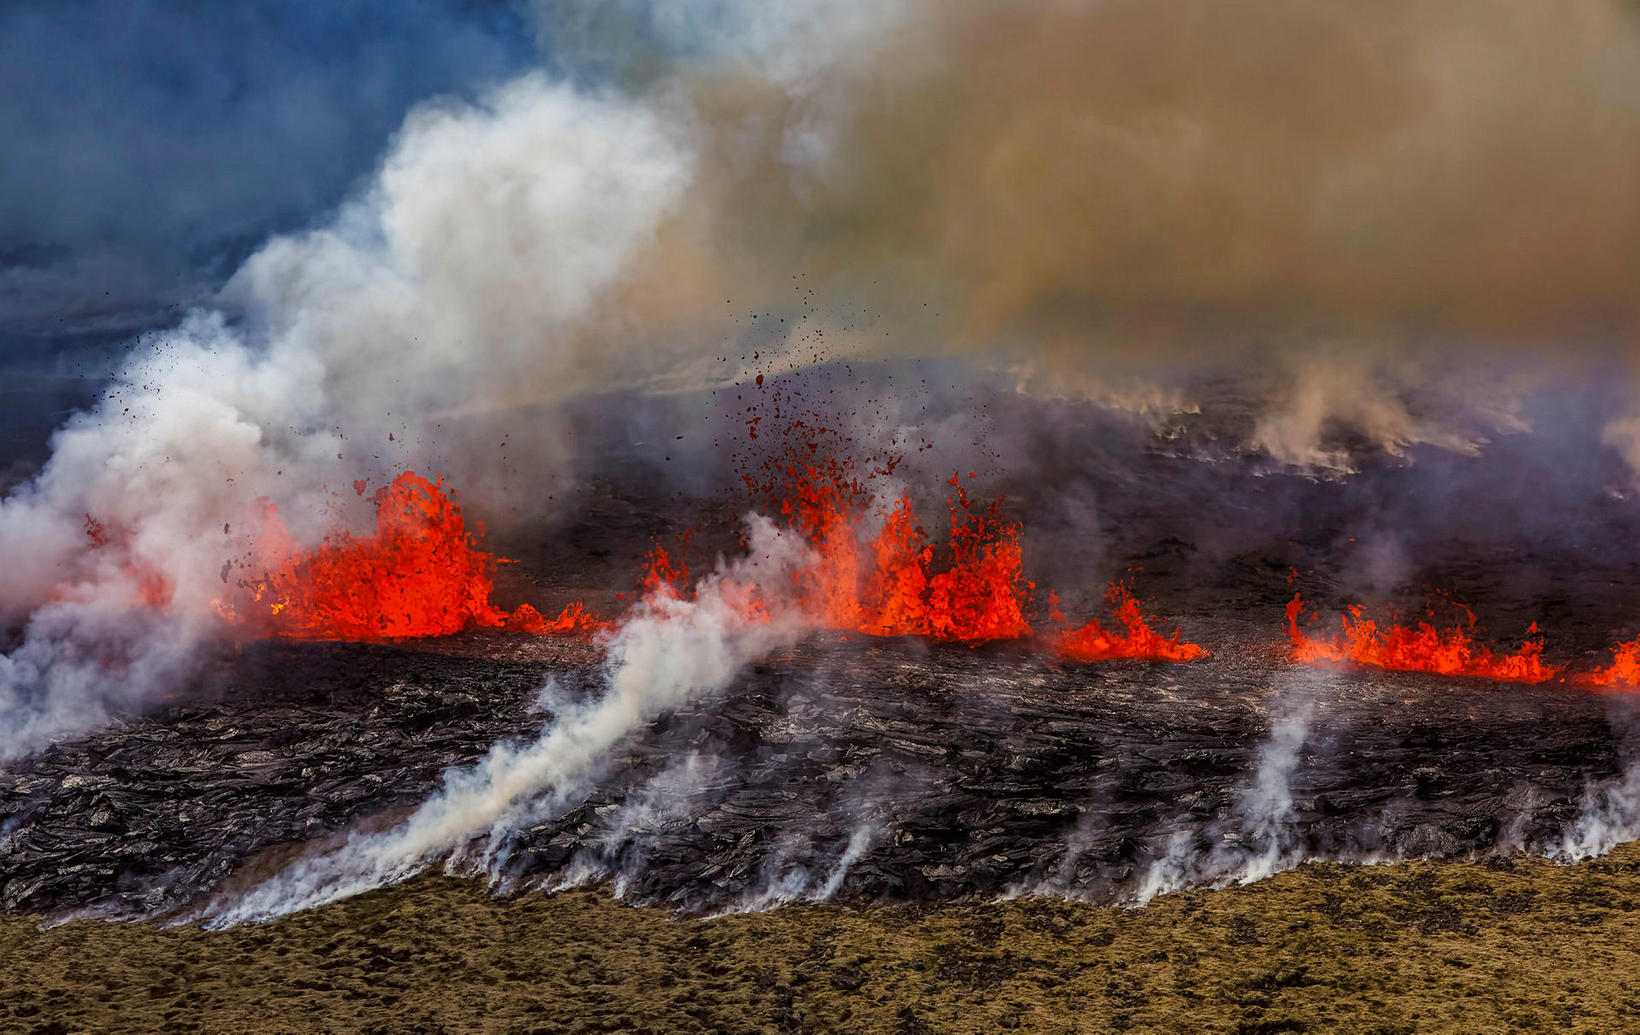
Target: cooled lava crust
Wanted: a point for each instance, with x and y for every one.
(962, 772)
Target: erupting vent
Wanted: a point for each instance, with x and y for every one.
(1422, 648)
(1093, 642)
(421, 573)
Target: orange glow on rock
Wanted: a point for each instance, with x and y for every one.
(1624, 671)
(1135, 639)
(419, 574)
(969, 588)
(573, 619)
(1420, 648)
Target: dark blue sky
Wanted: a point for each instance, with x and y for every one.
(149, 144)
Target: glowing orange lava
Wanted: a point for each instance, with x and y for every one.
(1416, 649)
(895, 583)
(969, 588)
(574, 619)
(1624, 671)
(1093, 642)
(901, 585)
(875, 570)
(419, 574)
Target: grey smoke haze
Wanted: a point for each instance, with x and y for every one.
(1216, 183)
(669, 651)
(1118, 174)
(1342, 202)
(1347, 201)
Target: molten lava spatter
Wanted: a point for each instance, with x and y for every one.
(574, 619)
(971, 591)
(875, 569)
(895, 583)
(1093, 642)
(970, 588)
(872, 568)
(1418, 649)
(1624, 671)
(419, 574)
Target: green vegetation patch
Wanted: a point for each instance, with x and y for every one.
(1472, 946)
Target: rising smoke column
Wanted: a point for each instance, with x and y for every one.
(483, 248)
(1196, 184)
(508, 254)
(667, 652)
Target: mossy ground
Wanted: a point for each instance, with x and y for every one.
(1470, 946)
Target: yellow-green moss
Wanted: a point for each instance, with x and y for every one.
(1416, 946)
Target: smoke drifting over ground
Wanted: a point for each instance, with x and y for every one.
(358, 343)
(1211, 294)
(668, 651)
(868, 770)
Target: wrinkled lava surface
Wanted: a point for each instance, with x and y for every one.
(956, 772)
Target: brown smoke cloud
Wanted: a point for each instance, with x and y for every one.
(1129, 174)
(1067, 190)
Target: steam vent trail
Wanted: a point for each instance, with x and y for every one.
(711, 515)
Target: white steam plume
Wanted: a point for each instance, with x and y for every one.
(1267, 806)
(786, 877)
(1608, 815)
(1609, 812)
(1264, 838)
(667, 652)
(473, 273)
(618, 852)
